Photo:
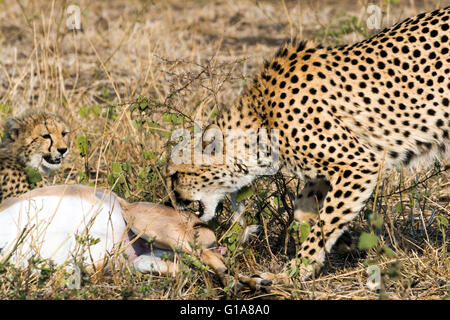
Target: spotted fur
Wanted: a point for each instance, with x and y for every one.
(343, 114)
(35, 139)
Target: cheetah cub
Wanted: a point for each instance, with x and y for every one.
(338, 117)
(36, 139)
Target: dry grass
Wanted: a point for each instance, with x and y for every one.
(194, 57)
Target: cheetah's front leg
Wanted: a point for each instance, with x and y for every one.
(307, 208)
(347, 194)
(310, 200)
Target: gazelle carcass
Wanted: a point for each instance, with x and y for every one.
(60, 223)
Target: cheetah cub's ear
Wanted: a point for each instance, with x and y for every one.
(12, 129)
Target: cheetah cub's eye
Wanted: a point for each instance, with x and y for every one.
(64, 133)
(46, 136)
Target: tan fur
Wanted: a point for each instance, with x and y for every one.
(172, 229)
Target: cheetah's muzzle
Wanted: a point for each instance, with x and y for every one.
(53, 161)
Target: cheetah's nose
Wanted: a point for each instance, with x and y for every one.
(62, 151)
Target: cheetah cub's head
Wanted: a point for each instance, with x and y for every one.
(37, 139)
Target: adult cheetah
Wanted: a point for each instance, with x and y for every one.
(342, 116)
(35, 139)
